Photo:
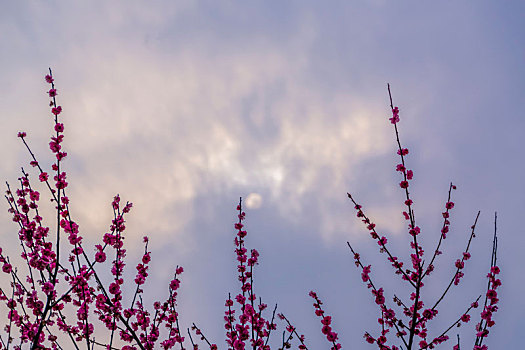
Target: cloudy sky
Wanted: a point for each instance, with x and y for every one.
(182, 107)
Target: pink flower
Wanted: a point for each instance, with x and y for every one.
(403, 184)
(428, 314)
(52, 92)
(402, 151)
(22, 134)
(326, 320)
(364, 274)
(113, 288)
(380, 299)
(174, 284)
(460, 264)
(127, 208)
(59, 127)
(394, 119)
(54, 146)
(332, 336)
(49, 79)
(492, 294)
(395, 115)
(48, 288)
(381, 340)
(414, 231)
(482, 333)
(100, 256)
(7, 268)
(56, 110)
(34, 195)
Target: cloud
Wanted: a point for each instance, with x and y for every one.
(183, 106)
(163, 128)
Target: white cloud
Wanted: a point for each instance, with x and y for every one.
(162, 130)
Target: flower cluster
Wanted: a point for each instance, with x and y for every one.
(326, 321)
(37, 303)
(251, 324)
(292, 331)
(491, 301)
(417, 315)
(388, 316)
(395, 115)
(396, 264)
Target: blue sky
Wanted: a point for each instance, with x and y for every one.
(183, 106)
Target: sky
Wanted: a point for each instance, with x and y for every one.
(182, 107)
